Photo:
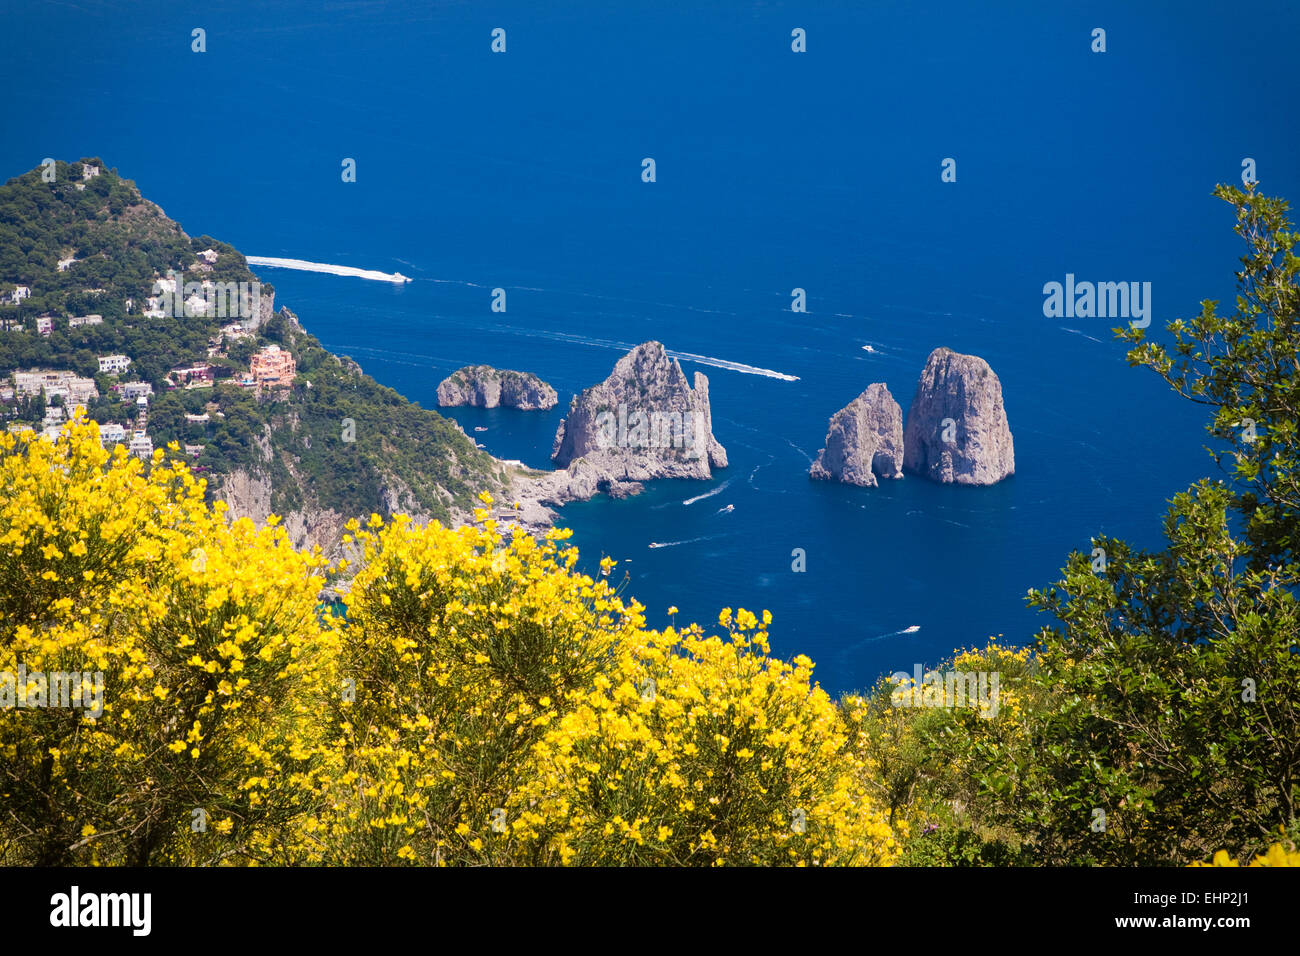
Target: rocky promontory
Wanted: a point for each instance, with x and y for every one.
(957, 431)
(483, 386)
(643, 422)
(864, 441)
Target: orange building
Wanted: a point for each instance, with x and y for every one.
(273, 367)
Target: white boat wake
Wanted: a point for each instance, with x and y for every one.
(1084, 334)
(799, 450)
(709, 494)
(673, 544)
(302, 265)
(911, 629)
(625, 346)
(732, 366)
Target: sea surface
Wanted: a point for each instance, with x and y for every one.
(775, 171)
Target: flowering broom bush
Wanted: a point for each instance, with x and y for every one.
(1279, 854)
(478, 701)
(205, 638)
(510, 710)
(461, 647)
(702, 750)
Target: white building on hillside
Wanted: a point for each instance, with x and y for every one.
(141, 445)
(74, 389)
(111, 433)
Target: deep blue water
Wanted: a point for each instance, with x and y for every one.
(775, 170)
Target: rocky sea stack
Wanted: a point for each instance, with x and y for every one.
(643, 422)
(864, 441)
(957, 431)
(483, 386)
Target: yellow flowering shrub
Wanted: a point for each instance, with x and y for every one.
(1277, 855)
(477, 700)
(462, 647)
(701, 750)
(205, 638)
(510, 710)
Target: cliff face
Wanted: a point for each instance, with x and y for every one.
(864, 440)
(265, 309)
(957, 429)
(643, 422)
(644, 416)
(482, 386)
(248, 494)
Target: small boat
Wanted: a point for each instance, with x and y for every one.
(867, 348)
(480, 428)
(656, 544)
(910, 630)
(726, 510)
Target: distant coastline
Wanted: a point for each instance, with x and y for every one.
(302, 265)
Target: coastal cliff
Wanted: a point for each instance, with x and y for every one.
(864, 441)
(482, 386)
(389, 457)
(957, 430)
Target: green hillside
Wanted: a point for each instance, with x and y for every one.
(395, 454)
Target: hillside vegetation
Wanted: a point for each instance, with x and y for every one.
(335, 441)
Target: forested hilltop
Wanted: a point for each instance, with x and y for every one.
(313, 439)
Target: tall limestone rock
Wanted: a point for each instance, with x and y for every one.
(865, 440)
(643, 422)
(957, 429)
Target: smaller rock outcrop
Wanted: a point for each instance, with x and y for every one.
(957, 431)
(483, 386)
(864, 441)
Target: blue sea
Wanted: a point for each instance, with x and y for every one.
(775, 171)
